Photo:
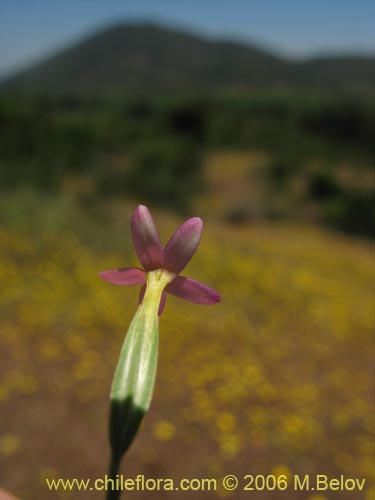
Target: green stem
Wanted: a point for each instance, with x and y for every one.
(114, 467)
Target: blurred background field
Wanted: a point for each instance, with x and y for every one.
(277, 158)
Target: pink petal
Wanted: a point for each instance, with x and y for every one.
(4, 495)
(162, 303)
(142, 292)
(124, 276)
(162, 300)
(146, 239)
(182, 245)
(193, 291)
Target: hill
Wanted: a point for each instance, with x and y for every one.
(151, 57)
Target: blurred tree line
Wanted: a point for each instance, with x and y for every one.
(152, 147)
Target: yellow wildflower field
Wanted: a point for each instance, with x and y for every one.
(273, 380)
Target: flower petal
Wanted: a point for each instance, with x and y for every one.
(162, 303)
(182, 245)
(124, 276)
(162, 300)
(146, 239)
(193, 291)
(142, 292)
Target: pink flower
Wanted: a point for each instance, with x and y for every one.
(171, 260)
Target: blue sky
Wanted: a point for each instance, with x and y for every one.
(31, 29)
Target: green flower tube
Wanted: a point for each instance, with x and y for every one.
(134, 378)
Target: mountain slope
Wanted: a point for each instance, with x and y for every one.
(146, 56)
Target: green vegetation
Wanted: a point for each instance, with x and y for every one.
(152, 149)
